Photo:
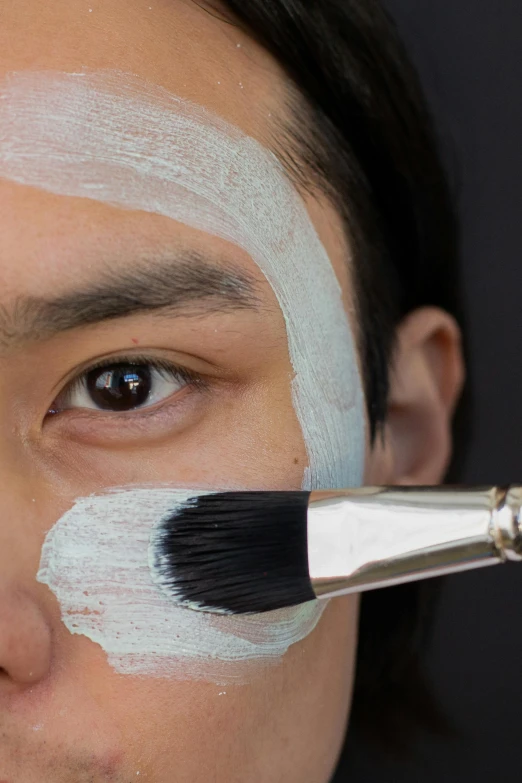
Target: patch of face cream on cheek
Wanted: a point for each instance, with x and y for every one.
(96, 561)
(114, 138)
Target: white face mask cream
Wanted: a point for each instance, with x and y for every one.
(111, 137)
(96, 561)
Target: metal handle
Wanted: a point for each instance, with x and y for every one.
(379, 536)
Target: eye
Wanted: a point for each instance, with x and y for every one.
(122, 386)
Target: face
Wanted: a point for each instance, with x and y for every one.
(152, 338)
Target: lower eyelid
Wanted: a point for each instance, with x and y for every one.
(103, 428)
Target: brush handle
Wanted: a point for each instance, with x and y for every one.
(376, 537)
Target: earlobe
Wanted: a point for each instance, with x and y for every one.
(426, 379)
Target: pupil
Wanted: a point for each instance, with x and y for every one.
(119, 388)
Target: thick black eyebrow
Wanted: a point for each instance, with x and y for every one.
(188, 283)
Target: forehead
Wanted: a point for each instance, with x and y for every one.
(50, 244)
(177, 44)
(182, 46)
(110, 138)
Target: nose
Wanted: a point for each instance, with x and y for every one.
(25, 639)
(25, 622)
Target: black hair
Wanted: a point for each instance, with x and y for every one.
(361, 130)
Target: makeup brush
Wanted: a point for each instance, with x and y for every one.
(243, 552)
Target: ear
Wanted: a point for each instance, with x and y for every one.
(426, 378)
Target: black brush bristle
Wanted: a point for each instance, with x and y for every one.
(236, 552)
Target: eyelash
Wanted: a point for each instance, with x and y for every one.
(168, 369)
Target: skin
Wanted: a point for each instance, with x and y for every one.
(65, 715)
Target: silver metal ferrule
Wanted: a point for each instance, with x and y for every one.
(375, 537)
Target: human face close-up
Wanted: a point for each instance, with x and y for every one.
(153, 338)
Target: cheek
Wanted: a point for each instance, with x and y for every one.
(96, 562)
(286, 724)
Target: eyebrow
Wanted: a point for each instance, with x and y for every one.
(185, 285)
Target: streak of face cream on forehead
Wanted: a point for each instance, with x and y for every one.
(114, 138)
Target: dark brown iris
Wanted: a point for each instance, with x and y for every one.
(119, 387)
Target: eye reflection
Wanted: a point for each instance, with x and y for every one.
(119, 388)
(122, 386)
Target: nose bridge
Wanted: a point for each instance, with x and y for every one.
(20, 539)
(25, 633)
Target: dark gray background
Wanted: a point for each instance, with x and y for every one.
(469, 55)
